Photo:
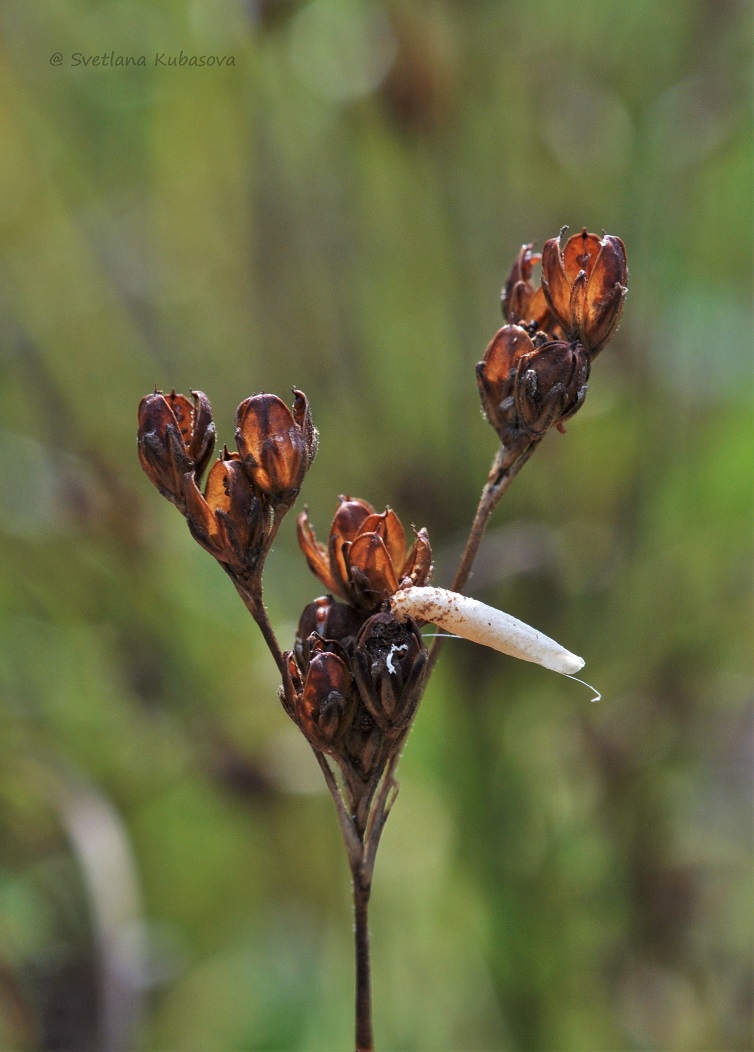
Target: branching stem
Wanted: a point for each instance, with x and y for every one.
(362, 830)
(505, 467)
(254, 603)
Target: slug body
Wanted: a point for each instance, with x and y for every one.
(483, 624)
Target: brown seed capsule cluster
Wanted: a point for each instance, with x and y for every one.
(365, 559)
(535, 370)
(247, 492)
(352, 685)
(354, 679)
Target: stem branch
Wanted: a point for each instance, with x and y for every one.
(254, 603)
(350, 836)
(505, 467)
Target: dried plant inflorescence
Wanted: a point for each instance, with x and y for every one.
(358, 667)
(534, 372)
(365, 559)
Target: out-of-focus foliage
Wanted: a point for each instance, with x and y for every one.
(337, 210)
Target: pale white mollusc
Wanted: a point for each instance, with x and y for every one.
(483, 624)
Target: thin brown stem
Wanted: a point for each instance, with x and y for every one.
(505, 467)
(253, 601)
(361, 890)
(351, 839)
(378, 814)
(250, 591)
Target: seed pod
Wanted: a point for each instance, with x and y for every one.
(330, 620)
(496, 376)
(175, 438)
(389, 664)
(231, 520)
(277, 445)
(550, 385)
(322, 703)
(585, 282)
(483, 624)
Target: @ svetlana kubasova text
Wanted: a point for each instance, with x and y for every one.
(160, 59)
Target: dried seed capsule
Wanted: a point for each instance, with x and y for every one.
(277, 444)
(231, 520)
(496, 375)
(528, 386)
(389, 663)
(522, 303)
(323, 702)
(550, 385)
(585, 282)
(175, 438)
(330, 620)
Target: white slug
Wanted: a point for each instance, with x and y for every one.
(483, 624)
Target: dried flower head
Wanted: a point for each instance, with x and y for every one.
(365, 560)
(585, 282)
(175, 438)
(352, 684)
(248, 492)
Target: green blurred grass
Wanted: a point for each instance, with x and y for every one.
(556, 875)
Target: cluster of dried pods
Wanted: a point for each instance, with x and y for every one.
(534, 373)
(358, 667)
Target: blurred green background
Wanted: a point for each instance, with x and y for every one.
(338, 210)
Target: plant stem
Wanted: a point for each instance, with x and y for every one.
(379, 812)
(351, 840)
(250, 590)
(254, 603)
(361, 890)
(505, 467)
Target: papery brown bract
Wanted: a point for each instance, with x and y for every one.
(328, 700)
(522, 302)
(585, 283)
(373, 577)
(175, 438)
(277, 445)
(365, 560)
(347, 522)
(417, 569)
(231, 519)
